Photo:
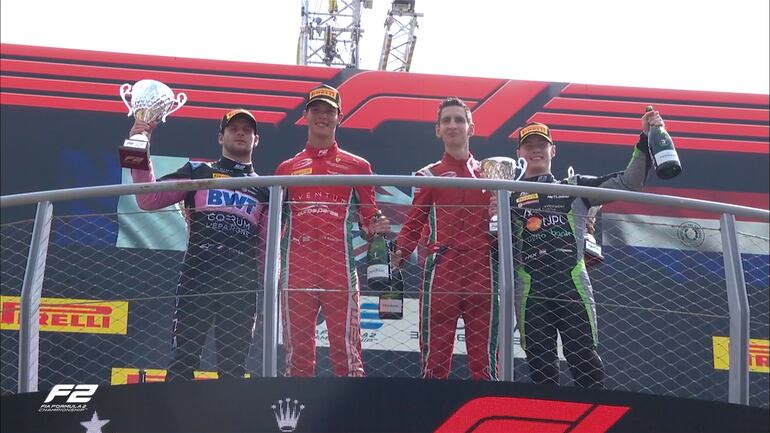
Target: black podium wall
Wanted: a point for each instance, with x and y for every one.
(367, 405)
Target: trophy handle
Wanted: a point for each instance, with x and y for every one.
(181, 99)
(125, 89)
(570, 172)
(522, 165)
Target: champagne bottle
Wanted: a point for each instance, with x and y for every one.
(392, 299)
(378, 261)
(665, 160)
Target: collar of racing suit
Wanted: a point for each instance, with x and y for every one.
(470, 163)
(316, 152)
(228, 165)
(548, 178)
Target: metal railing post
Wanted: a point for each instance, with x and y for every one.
(29, 320)
(505, 266)
(738, 302)
(272, 267)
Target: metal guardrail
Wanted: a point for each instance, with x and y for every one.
(383, 180)
(737, 297)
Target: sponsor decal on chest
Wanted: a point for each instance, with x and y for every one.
(527, 199)
(218, 197)
(302, 171)
(536, 221)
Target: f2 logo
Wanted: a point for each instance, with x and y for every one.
(75, 393)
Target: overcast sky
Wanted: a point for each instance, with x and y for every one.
(681, 44)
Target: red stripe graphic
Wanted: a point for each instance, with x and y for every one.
(517, 426)
(316, 73)
(361, 87)
(672, 126)
(600, 419)
(68, 103)
(637, 108)
(199, 96)
(517, 415)
(381, 109)
(673, 95)
(711, 144)
(172, 79)
(490, 115)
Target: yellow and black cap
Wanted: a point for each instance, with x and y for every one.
(327, 94)
(230, 115)
(535, 128)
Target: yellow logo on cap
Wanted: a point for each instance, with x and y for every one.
(233, 113)
(527, 197)
(323, 92)
(531, 129)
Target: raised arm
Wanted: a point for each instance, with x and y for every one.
(634, 177)
(156, 200)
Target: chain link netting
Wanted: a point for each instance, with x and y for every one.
(655, 313)
(756, 267)
(14, 247)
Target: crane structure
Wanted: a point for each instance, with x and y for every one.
(330, 35)
(400, 38)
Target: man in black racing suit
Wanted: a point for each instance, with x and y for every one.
(553, 291)
(219, 281)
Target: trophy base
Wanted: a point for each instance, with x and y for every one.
(493, 226)
(593, 252)
(135, 153)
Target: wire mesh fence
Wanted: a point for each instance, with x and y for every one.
(125, 299)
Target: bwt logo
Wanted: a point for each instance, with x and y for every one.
(230, 198)
(74, 393)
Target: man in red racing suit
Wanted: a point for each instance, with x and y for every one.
(318, 269)
(457, 277)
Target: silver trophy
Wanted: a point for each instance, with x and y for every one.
(592, 248)
(150, 101)
(501, 167)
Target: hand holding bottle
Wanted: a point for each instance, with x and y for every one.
(651, 118)
(380, 224)
(661, 146)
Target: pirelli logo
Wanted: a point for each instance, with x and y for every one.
(123, 376)
(323, 92)
(759, 352)
(69, 315)
(302, 172)
(527, 197)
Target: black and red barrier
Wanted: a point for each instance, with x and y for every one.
(364, 405)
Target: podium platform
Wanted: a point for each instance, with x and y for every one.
(364, 405)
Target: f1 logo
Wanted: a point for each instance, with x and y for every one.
(75, 393)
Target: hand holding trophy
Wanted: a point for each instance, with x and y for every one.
(150, 101)
(501, 167)
(591, 248)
